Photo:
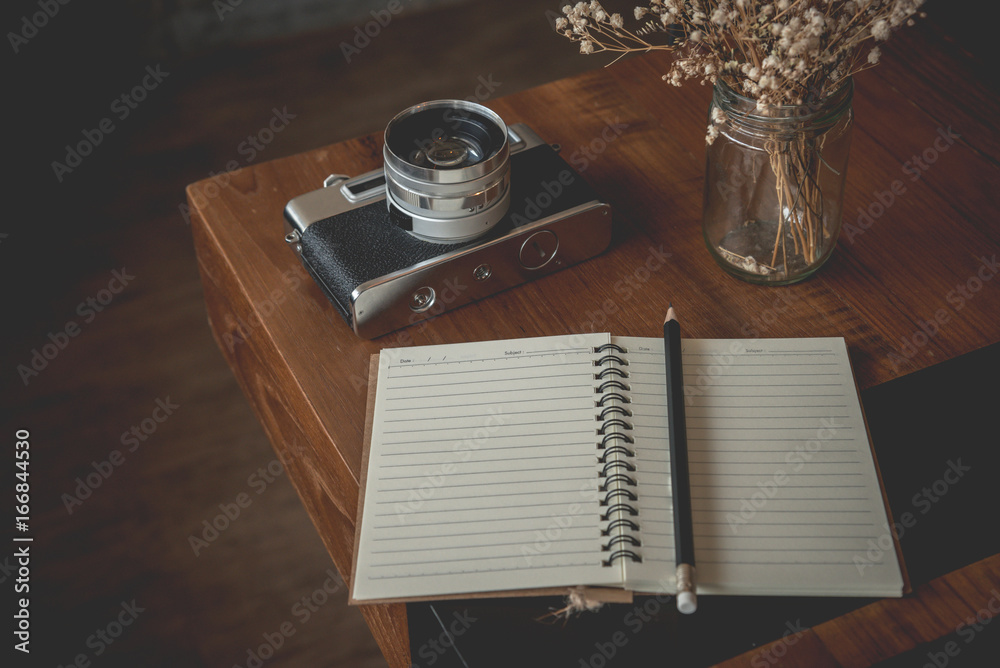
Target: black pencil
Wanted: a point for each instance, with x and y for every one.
(687, 599)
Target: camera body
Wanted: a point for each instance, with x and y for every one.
(381, 275)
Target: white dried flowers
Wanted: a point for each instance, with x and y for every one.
(779, 52)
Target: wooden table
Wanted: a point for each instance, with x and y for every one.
(913, 287)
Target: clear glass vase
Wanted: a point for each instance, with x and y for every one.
(774, 184)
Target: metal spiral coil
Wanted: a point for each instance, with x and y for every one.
(619, 502)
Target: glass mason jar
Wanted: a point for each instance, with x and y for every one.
(774, 184)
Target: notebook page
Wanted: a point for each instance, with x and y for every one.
(784, 489)
(482, 472)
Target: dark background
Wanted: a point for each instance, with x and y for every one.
(230, 64)
(119, 210)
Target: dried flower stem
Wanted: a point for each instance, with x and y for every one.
(775, 52)
(800, 199)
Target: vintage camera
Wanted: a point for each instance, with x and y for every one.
(463, 208)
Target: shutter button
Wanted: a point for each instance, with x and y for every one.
(422, 299)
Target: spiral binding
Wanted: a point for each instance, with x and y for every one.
(618, 502)
(611, 371)
(620, 410)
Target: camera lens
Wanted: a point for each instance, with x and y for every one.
(447, 152)
(447, 167)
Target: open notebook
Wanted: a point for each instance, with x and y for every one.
(539, 463)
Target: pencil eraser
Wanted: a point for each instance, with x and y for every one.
(687, 602)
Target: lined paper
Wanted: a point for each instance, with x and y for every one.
(784, 490)
(482, 471)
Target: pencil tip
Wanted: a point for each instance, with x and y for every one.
(670, 314)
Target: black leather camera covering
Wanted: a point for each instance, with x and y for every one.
(346, 250)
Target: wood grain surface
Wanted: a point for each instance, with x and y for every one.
(913, 288)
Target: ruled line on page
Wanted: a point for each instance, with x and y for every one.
(451, 425)
(778, 454)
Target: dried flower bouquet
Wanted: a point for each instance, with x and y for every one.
(779, 54)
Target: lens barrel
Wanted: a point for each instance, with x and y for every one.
(447, 166)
